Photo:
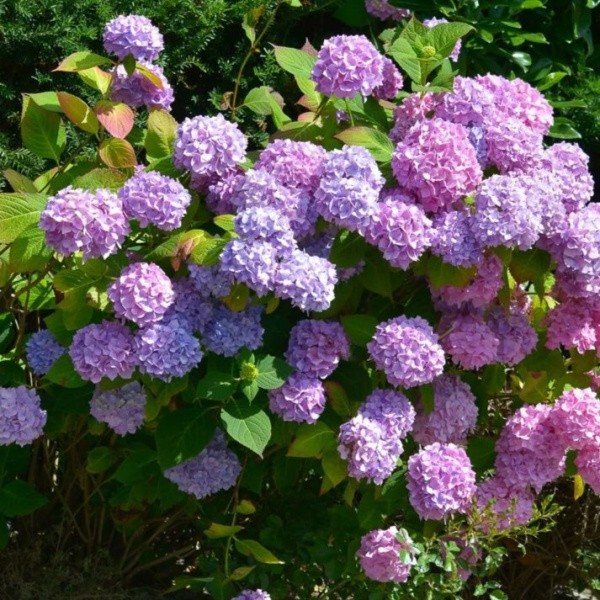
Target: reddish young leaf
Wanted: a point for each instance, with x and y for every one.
(115, 117)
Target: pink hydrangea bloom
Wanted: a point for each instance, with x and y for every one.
(576, 418)
(379, 555)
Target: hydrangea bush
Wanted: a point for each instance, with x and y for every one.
(351, 360)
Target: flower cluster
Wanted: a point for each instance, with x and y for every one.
(379, 555)
(122, 409)
(228, 332)
(301, 398)
(135, 35)
(383, 10)
(253, 595)
(22, 419)
(138, 89)
(42, 351)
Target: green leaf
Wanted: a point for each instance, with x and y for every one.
(43, 132)
(117, 153)
(225, 222)
(29, 252)
(140, 465)
(100, 178)
(217, 531)
(563, 129)
(182, 434)
(161, 134)
(80, 61)
(47, 101)
(96, 78)
(334, 467)
(17, 213)
(216, 386)
(247, 425)
(359, 328)
(296, 62)
(311, 440)
(63, 373)
(116, 117)
(403, 53)
(257, 551)
(272, 372)
(578, 487)
(441, 273)
(443, 37)
(99, 459)
(258, 100)
(149, 75)
(242, 572)
(376, 142)
(338, 398)
(529, 265)
(245, 507)
(207, 252)
(78, 112)
(18, 182)
(348, 249)
(18, 498)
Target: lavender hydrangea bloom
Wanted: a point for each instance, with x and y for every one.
(453, 417)
(379, 555)
(137, 90)
(315, 347)
(216, 468)
(440, 481)
(575, 417)
(253, 595)
(588, 465)
(470, 103)
(301, 399)
(349, 188)
(167, 350)
(421, 164)
(308, 281)
(228, 332)
(383, 10)
(209, 146)
(573, 324)
(219, 190)
(121, 409)
(392, 81)
(505, 506)
(407, 351)
(401, 231)
(42, 351)
(514, 332)
(430, 23)
(453, 239)
(347, 65)
(580, 245)
(91, 222)
(392, 409)
(142, 293)
(211, 281)
(511, 147)
(133, 34)
(414, 108)
(266, 224)
(22, 419)
(103, 350)
(189, 306)
(152, 198)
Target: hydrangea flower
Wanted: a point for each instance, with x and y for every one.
(349, 188)
(436, 161)
(453, 239)
(42, 351)
(407, 351)
(307, 281)
(392, 81)
(581, 243)
(266, 224)
(228, 332)
(383, 10)
(167, 350)
(211, 281)
(209, 146)
(379, 555)
(505, 506)
(440, 481)
(133, 34)
(573, 324)
(189, 306)
(22, 419)
(430, 23)
(575, 418)
(216, 468)
(511, 147)
(91, 222)
(315, 347)
(122, 409)
(453, 417)
(142, 293)
(517, 338)
(588, 465)
(103, 350)
(414, 108)
(470, 103)
(392, 409)
(401, 231)
(301, 399)
(253, 595)
(155, 199)
(219, 190)
(347, 65)
(137, 90)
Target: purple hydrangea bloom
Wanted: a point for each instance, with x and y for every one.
(401, 231)
(436, 161)
(414, 108)
(383, 10)
(294, 164)
(453, 239)
(189, 306)
(440, 481)
(392, 81)
(508, 212)
(103, 350)
(349, 188)
(152, 198)
(133, 34)
(573, 324)
(505, 506)
(42, 351)
(216, 468)
(529, 451)
(430, 23)
(22, 419)
(308, 281)
(228, 332)
(580, 245)
(252, 595)
(142, 293)
(407, 351)
(121, 409)
(137, 90)
(219, 190)
(575, 418)
(514, 332)
(266, 224)
(347, 65)
(470, 103)
(91, 222)
(301, 399)
(167, 350)
(211, 281)
(315, 347)
(470, 342)
(392, 409)
(588, 465)
(379, 555)
(453, 417)
(209, 146)
(511, 147)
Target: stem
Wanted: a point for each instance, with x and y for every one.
(349, 112)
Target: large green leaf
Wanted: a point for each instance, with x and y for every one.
(359, 328)
(82, 61)
(78, 112)
(43, 131)
(311, 440)
(296, 62)
(376, 142)
(17, 213)
(247, 425)
(257, 551)
(18, 498)
(272, 372)
(29, 252)
(63, 373)
(161, 135)
(117, 153)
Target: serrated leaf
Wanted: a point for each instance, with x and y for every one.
(29, 252)
(43, 132)
(348, 249)
(18, 182)
(338, 398)
(161, 134)
(17, 213)
(63, 373)
(117, 153)
(334, 467)
(18, 498)
(140, 465)
(96, 78)
(149, 75)
(100, 178)
(217, 531)
(375, 141)
(247, 425)
(272, 372)
(258, 100)
(99, 459)
(81, 61)
(116, 117)
(78, 112)
(257, 551)
(440, 273)
(359, 328)
(443, 37)
(311, 440)
(225, 222)
(296, 62)
(402, 52)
